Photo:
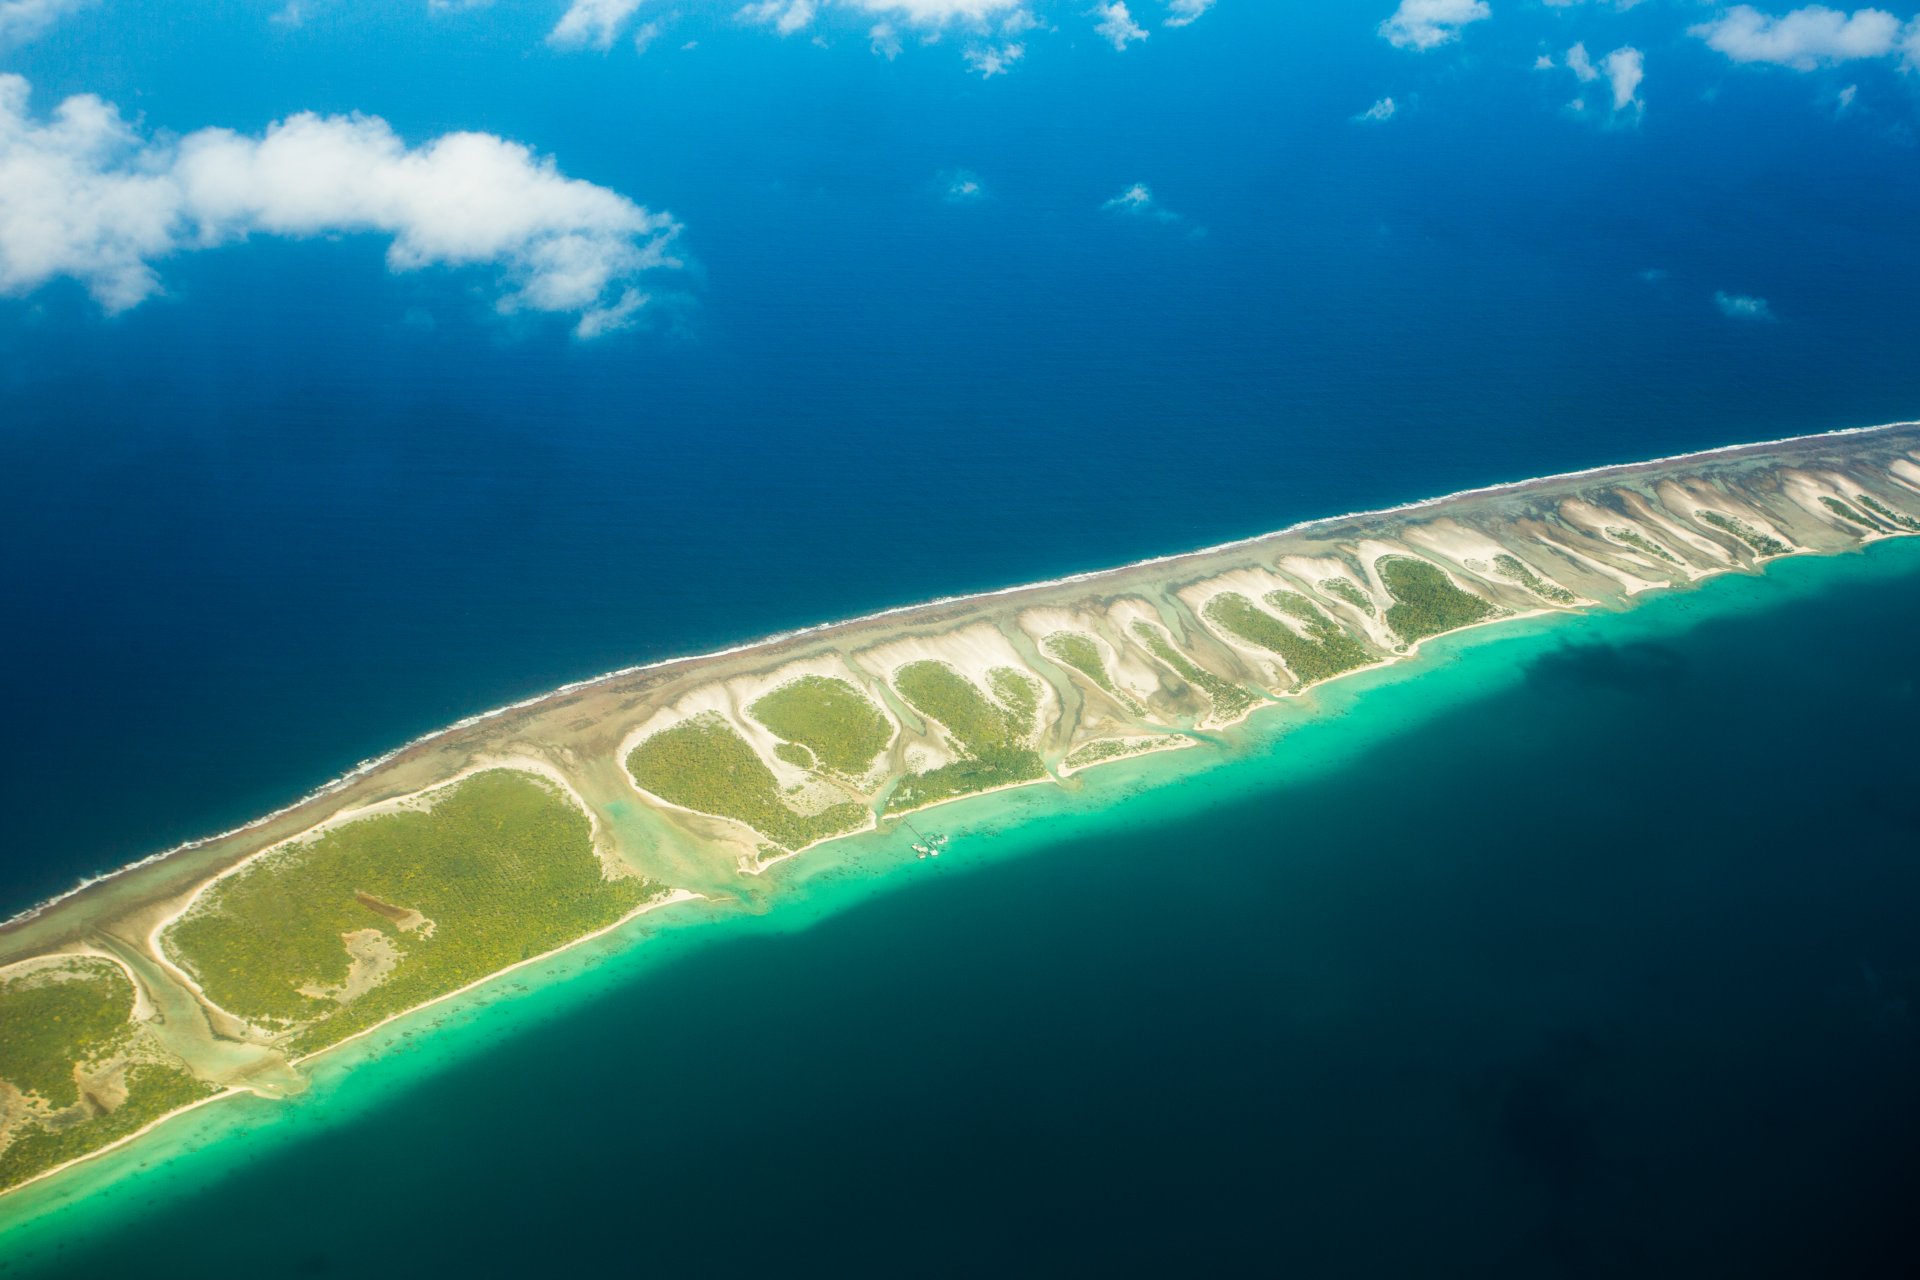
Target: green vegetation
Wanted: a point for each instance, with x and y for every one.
(1763, 544)
(1425, 600)
(994, 737)
(702, 764)
(1888, 514)
(1119, 748)
(937, 690)
(794, 754)
(1082, 654)
(1515, 568)
(1228, 699)
(1347, 589)
(1640, 542)
(502, 865)
(1325, 650)
(78, 1015)
(1018, 692)
(831, 718)
(1848, 513)
(58, 1017)
(153, 1089)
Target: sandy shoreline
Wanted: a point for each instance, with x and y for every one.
(578, 736)
(371, 764)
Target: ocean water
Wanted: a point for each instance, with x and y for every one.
(302, 509)
(1577, 947)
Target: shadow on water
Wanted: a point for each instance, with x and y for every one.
(1608, 971)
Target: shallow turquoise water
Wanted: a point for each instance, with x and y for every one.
(1339, 949)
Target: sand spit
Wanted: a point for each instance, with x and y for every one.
(1594, 538)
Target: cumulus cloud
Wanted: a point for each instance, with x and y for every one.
(84, 195)
(22, 20)
(784, 16)
(1182, 12)
(933, 13)
(1580, 64)
(962, 185)
(1427, 24)
(594, 24)
(1626, 68)
(1741, 306)
(1379, 113)
(995, 60)
(1117, 25)
(1138, 201)
(1809, 37)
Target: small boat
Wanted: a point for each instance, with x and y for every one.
(925, 846)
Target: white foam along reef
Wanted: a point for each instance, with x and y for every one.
(374, 762)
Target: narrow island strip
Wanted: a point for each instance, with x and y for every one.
(227, 965)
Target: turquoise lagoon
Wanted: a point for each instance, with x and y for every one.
(1429, 928)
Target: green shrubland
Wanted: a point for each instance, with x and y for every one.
(153, 1089)
(1228, 699)
(55, 1018)
(1348, 590)
(1118, 748)
(1019, 693)
(1082, 654)
(1640, 542)
(1425, 600)
(829, 717)
(703, 764)
(1888, 514)
(1763, 544)
(502, 865)
(1514, 567)
(794, 754)
(993, 736)
(1326, 650)
(1852, 516)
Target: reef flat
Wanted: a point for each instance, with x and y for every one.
(224, 965)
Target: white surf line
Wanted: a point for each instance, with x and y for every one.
(369, 765)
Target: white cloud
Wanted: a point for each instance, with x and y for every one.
(884, 41)
(1379, 113)
(1626, 68)
(1138, 201)
(933, 13)
(1740, 306)
(591, 24)
(644, 35)
(84, 195)
(1117, 25)
(784, 16)
(995, 60)
(1623, 69)
(1809, 37)
(1182, 12)
(1427, 24)
(963, 185)
(22, 20)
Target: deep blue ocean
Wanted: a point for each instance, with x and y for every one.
(300, 509)
(1580, 952)
(1608, 970)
